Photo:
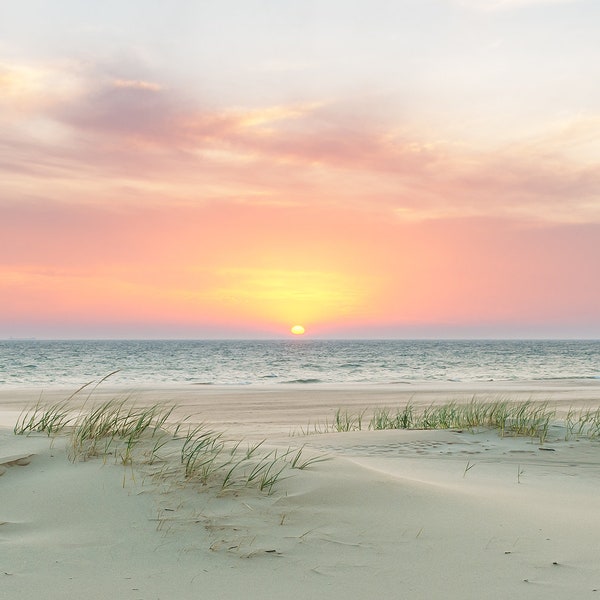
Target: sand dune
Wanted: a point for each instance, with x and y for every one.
(394, 514)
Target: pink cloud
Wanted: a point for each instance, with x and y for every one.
(134, 140)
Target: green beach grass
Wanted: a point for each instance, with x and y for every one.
(130, 434)
(147, 435)
(524, 419)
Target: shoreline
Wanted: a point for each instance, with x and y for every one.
(279, 408)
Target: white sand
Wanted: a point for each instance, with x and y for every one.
(394, 514)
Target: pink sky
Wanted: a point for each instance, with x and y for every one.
(373, 188)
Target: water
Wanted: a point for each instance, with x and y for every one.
(73, 363)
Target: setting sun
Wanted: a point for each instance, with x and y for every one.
(297, 330)
(291, 198)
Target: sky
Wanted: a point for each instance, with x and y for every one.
(367, 169)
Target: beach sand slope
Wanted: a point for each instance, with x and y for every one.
(394, 514)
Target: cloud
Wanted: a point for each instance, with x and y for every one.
(122, 108)
(31, 89)
(122, 139)
(137, 84)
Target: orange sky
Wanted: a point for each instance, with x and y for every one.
(258, 270)
(144, 192)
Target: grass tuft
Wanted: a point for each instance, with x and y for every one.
(528, 419)
(44, 419)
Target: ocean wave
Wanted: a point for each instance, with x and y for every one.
(241, 363)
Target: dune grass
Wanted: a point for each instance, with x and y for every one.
(117, 426)
(530, 419)
(128, 433)
(52, 419)
(49, 419)
(208, 457)
(148, 434)
(526, 419)
(583, 422)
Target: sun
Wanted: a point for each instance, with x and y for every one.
(297, 330)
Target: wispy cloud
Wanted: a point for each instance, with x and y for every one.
(29, 89)
(137, 84)
(136, 140)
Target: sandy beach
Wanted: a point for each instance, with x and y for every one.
(300, 300)
(397, 514)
